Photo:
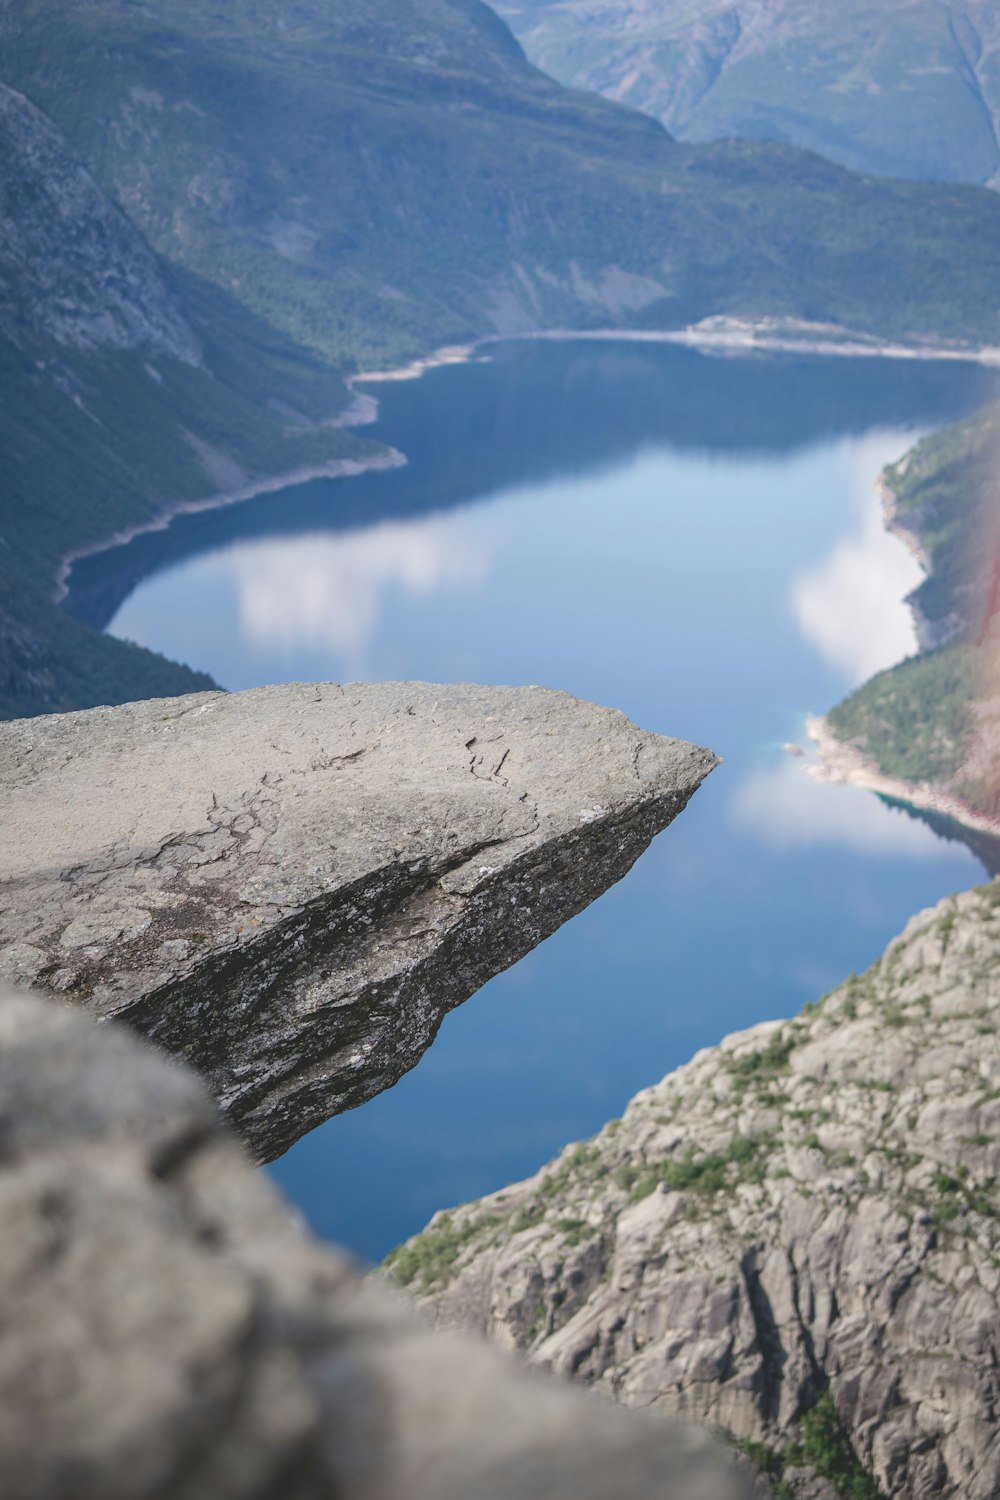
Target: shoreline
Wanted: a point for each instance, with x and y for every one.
(732, 336)
(892, 523)
(338, 468)
(841, 764)
(715, 335)
(448, 354)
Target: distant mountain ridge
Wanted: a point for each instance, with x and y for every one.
(376, 180)
(907, 88)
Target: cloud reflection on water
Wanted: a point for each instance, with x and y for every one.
(329, 590)
(787, 809)
(852, 607)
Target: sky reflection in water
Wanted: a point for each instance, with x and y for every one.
(592, 534)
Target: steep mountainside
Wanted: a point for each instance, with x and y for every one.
(795, 1237)
(376, 179)
(122, 392)
(907, 88)
(933, 721)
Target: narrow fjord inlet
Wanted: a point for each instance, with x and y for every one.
(630, 523)
(499, 750)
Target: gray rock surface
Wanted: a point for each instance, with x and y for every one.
(290, 887)
(168, 1330)
(811, 1202)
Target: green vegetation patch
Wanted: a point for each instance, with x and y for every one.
(429, 1257)
(762, 1066)
(821, 1447)
(575, 1231)
(957, 1194)
(826, 1448)
(916, 719)
(704, 1173)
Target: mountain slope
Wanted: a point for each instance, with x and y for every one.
(907, 88)
(122, 394)
(376, 179)
(795, 1237)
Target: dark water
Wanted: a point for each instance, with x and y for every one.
(693, 540)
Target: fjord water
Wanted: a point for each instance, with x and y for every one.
(694, 540)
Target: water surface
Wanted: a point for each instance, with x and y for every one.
(694, 540)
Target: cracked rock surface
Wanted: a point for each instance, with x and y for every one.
(168, 1331)
(811, 1206)
(290, 887)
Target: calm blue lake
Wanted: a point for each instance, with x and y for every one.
(694, 540)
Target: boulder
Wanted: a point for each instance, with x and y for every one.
(170, 1331)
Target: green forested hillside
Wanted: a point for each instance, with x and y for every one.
(936, 717)
(374, 179)
(907, 88)
(126, 388)
(947, 491)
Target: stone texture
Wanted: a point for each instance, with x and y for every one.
(168, 1329)
(290, 887)
(811, 1202)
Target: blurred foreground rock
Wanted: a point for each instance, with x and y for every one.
(169, 1330)
(795, 1237)
(290, 887)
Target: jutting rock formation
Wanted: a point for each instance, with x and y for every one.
(290, 887)
(168, 1331)
(795, 1237)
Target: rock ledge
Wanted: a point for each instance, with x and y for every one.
(290, 887)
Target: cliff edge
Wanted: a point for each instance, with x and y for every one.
(290, 887)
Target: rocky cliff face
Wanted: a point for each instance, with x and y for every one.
(168, 1331)
(290, 887)
(795, 1237)
(72, 267)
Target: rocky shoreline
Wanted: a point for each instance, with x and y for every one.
(841, 763)
(909, 539)
(721, 335)
(726, 335)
